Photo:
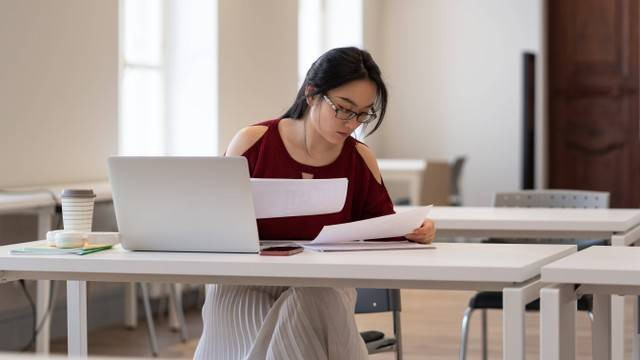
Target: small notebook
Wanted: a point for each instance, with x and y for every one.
(44, 249)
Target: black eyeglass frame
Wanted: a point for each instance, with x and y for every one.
(369, 116)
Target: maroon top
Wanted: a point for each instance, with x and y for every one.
(366, 198)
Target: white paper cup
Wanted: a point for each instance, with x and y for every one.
(78, 200)
(74, 207)
(80, 222)
(77, 209)
(76, 217)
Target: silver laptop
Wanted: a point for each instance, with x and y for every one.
(184, 203)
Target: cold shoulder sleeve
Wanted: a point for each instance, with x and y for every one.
(376, 199)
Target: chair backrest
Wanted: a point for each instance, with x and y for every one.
(456, 173)
(553, 199)
(377, 300)
(436, 183)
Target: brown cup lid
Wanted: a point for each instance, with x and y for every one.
(77, 193)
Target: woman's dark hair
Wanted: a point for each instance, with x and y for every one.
(335, 68)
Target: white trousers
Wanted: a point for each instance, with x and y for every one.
(268, 322)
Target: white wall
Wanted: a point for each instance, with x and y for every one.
(372, 42)
(258, 61)
(58, 90)
(453, 69)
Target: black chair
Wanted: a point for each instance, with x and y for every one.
(455, 199)
(381, 300)
(488, 300)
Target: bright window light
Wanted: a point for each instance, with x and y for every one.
(326, 24)
(168, 85)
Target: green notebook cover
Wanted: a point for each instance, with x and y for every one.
(44, 249)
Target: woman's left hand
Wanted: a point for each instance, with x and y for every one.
(424, 234)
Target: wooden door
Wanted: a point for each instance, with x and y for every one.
(594, 130)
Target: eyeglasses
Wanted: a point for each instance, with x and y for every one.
(344, 114)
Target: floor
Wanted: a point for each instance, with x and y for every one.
(430, 323)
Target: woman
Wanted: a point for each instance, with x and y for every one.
(342, 91)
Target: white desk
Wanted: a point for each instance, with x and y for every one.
(621, 226)
(599, 270)
(43, 206)
(42, 200)
(410, 171)
(100, 188)
(511, 268)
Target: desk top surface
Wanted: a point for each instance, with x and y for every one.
(532, 219)
(446, 262)
(10, 201)
(609, 265)
(102, 189)
(417, 165)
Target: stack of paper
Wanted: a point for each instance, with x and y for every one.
(351, 236)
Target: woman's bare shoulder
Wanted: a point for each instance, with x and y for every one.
(245, 139)
(370, 159)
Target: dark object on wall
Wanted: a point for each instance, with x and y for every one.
(528, 120)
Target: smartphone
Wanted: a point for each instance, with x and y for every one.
(281, 250)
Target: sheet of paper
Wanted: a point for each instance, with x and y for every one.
(298, 197)
(366, 245)
(374, 228)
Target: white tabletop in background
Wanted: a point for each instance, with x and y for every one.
(532, 219)
(605, 265)
(100, 188)
(402, 164)
(16, 201)
(447, 262)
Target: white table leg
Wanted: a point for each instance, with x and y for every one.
(635, 348)
(43, 288)
(42, 303)
(629, 238)
(514, 301)
(558, 323)
(513, 324)
(635, 338)
(617, 327)
(601, 332)
(130, 306)
(77, 318)
(175, 290)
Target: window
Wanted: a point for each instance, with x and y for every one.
(326, 24)
(168, 84)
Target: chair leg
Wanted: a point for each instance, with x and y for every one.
(176, 299)
(465, 333)
(201, 295)
(485, 342)
(397, 332)
(151, 328)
